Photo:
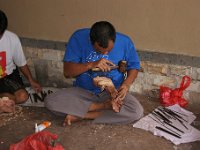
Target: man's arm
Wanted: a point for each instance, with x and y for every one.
(131, 76)
(72, 69)
(26, 72)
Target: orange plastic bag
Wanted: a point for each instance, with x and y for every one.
(38, 141)
(170, 97)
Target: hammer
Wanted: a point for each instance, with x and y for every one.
(121, 67)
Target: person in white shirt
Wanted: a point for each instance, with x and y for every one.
(11, 59)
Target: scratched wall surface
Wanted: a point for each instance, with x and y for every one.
(169, 26)
(46, 65)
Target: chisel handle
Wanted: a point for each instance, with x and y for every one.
(166, 131)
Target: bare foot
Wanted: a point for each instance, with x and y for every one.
(69, 119)
(112, 104)
(116, 104)
(7, 105)
(107, 104)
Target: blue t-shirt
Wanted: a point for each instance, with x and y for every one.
(80, 50)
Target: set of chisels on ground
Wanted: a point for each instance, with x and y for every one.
(166, 119)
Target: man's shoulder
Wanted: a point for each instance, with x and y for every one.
(82, 31)
(9, 34)
(122, 36)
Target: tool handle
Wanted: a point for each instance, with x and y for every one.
(98, 69)
(173, 127)
(166, 131)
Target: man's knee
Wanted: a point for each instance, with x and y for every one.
(21, 96)
(135, 113)
(139, 112)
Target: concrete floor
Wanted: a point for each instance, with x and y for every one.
(87, 136)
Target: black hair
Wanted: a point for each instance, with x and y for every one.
(3, 22)
(101, 32)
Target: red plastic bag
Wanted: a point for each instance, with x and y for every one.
(170, 97)
(38, 141)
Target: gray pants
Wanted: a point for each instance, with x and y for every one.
(76, 101)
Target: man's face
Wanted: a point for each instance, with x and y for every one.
(102, 50)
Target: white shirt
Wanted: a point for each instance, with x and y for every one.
(11, 53)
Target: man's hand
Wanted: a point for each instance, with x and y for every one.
(26, 72)
(36, 86)
(118, 101)
(103, 64)
(122, 91)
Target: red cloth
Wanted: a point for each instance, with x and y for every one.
(170, 97)
(38, 141)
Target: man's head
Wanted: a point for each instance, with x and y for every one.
(3, 22)
(102, 36)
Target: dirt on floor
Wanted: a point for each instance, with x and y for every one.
(85, 135)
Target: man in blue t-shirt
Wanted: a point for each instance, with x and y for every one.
(103, 48)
